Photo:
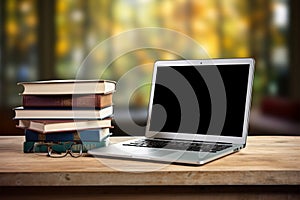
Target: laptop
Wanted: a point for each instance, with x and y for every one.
(198, 112)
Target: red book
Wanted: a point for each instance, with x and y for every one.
(83, 101)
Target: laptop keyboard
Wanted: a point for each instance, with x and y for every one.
(180, 145)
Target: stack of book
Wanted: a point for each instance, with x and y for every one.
(61, 111)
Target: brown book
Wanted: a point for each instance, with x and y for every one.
(62, 113)
(82, 101)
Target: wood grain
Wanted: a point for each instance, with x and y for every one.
(267, 160)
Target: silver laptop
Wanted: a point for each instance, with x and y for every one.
(198, 112)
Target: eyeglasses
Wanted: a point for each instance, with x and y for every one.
(59, 149)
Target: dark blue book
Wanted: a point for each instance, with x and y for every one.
(39, 147)
(34, 136)
(95, 135)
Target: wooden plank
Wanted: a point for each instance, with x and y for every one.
(266, 160)
(152, 192)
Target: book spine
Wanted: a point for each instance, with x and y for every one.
(34, 136)
(96, 135)
(30, 147)
(83, 101)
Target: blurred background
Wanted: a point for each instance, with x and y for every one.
(48, 39)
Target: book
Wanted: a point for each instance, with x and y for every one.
(63, 113)
(84, 101)
(32, 147)
(50, 126)
(33, 136)
(96, 135)
(58, 87)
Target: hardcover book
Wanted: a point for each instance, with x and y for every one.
(50, 126)
(43, 113)
(96, 135)
(33, 136)
(59, 87)
(84, 101)
(31, 147)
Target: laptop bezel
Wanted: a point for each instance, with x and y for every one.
(201, 137)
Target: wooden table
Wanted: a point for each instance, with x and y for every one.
(269, 165)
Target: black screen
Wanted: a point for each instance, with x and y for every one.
(200, 99)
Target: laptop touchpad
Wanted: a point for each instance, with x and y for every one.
(156, 153)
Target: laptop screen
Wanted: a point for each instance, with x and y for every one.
(208, 100)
